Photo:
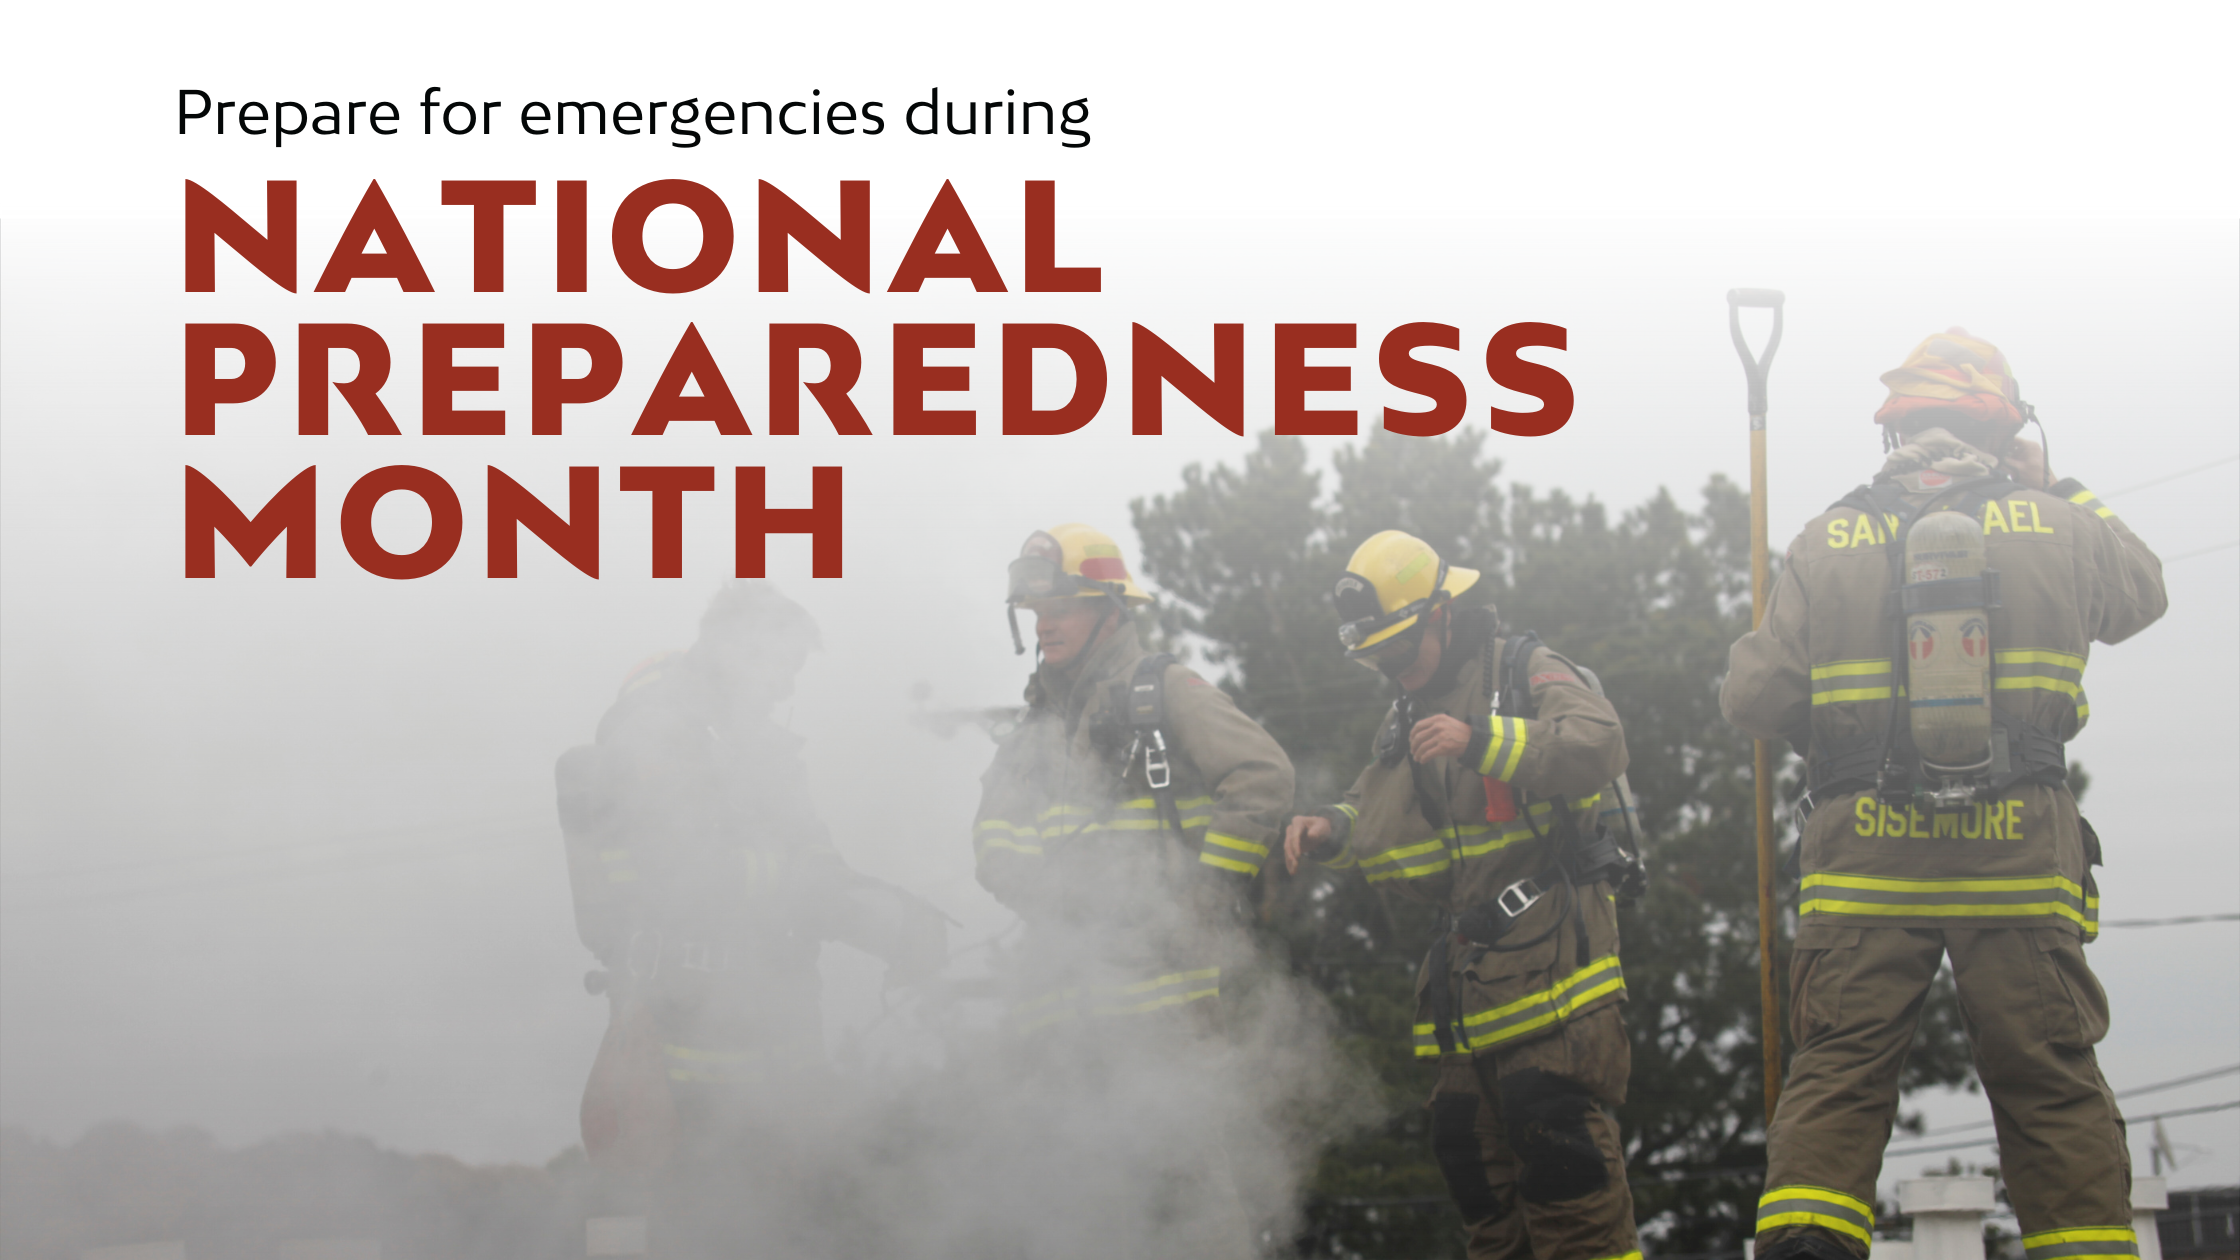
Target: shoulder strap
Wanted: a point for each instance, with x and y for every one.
(1146, 708)
(1513, 693)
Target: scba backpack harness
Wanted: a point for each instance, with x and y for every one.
(1946, 744)
(1579, 857)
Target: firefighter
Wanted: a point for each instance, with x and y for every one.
(1486, 798)
(704, 882)
(1123, 820)
(1938, 823)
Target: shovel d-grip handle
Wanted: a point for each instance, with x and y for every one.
(1755, 368)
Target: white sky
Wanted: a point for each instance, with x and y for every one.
(279, 855)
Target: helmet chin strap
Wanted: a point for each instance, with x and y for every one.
(1119, 607)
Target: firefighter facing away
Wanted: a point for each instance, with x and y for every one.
(704, 882)
(1496, 794)
(1925, 649)
(1122, 820)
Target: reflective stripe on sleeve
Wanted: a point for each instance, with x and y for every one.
(1344, 858)
(1832, 892)
(1232, 853)
(1511, 1020)
(1505, 749)
(1816, 1205)
(2039, 669)
(991, 834)
(2110, 1242)
(1173, 989)
(1839, 681)
(2091, 501)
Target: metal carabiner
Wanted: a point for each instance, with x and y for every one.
(1156, 771)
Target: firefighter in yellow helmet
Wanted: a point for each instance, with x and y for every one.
(1123, 820)
(1496, 793)
(1925, 649)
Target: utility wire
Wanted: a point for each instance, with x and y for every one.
(2133, 1092)
(2189, 918)
(2214, 463)
(2223, 546)
(2162, 1115)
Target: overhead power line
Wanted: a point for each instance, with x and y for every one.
(2188, 555)
(2133, 1092)
(1987, 1141)
(2185, 918)
(2214, 463)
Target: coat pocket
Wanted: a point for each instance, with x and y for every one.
(2072, 1007)
(1817, 973)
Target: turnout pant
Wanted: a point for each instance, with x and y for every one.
(2033, 1012)
(1529, 1149)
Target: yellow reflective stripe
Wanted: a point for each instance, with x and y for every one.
(2069, 689)
(1029, 850)
(1816, 1205)
(1515, 833)
(1829, 681)
(1228, 864)
(1233, 842)
(1512, 833)
(1537, 1010)
(1949, 898)
(1583, 974)
(1504, 749)
(2039, 656)
(614, 855)
(1427, 1041)
(2086, 498)
(1855, 693)
(2108, 1242)
(1172, 989)
(1849, 669)
(1623, 1255)
(1415, 861)
(1440, 867)
(622, 877)
(2040, 669)
(1402, 855)
(1349, 811)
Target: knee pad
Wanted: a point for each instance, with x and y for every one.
(1454, 1143)
(1546, 1121)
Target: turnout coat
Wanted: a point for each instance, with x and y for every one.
(1425, 832)
(1819, 672)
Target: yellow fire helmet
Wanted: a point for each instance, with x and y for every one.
(1068, 562)
(1071, 561)
(1391, 580)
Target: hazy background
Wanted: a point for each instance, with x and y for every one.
(281, 855)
